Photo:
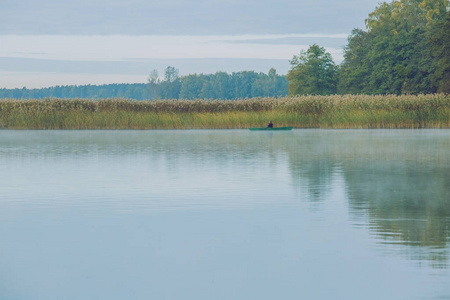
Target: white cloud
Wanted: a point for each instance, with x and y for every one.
(119, 48)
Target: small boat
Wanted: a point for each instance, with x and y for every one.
(273, 128)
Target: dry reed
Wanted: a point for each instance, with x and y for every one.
(349, 111)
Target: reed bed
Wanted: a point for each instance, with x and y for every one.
(348, 111)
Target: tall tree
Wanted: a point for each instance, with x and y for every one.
(355, 67)
(312, 72)
(440, 49)
(393, 56)
(171, 74)
(171, 86)
(153, 87)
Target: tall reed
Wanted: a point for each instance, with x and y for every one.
(349, 111)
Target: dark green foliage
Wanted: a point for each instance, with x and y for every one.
(313, 72)
(440, 49)
(404, 51)
(240, 85)
(355, 66)
(192, 86)
(270, 85)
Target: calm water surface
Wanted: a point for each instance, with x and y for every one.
(225, 214)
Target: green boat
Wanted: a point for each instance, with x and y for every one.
(273, 128)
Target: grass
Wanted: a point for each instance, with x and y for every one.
(349, 111)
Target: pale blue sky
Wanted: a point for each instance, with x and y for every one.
(42, 41)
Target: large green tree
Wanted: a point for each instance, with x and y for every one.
(394, 55)
(355, 68)
(440, 49)
(312, 72)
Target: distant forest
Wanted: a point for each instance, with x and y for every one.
(404, 50)
(221, 85)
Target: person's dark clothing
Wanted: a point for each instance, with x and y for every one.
(270, 125)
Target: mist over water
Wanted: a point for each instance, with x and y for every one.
(225, 214)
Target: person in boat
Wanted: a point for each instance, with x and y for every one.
(270, 125)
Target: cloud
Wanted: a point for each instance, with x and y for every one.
(119, 48)
(176, 17)
(336, 41)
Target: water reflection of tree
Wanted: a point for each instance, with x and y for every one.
(406, 204)
(311, 174)
(400, 184)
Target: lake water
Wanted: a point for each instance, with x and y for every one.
(225, 214)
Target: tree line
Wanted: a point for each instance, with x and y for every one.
(405, 50)
(221, 85)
